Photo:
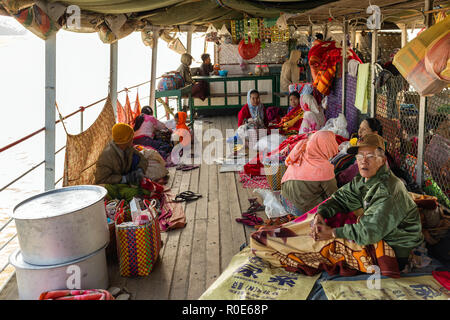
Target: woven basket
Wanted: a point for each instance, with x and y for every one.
(138, 246)
(274, 173)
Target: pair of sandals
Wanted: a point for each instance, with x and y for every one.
(187, 196)
(249, 217)
(185, 167)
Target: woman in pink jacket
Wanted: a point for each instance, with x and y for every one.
(309, 178)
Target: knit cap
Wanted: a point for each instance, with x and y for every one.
(122, 133)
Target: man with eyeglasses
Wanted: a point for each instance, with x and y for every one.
(390, 214)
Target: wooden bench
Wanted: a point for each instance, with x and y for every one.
(234, 94)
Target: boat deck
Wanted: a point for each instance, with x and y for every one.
(192, 258)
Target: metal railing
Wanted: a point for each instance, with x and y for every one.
(21, 176)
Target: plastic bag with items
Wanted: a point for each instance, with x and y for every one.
(274, 208)
(269, 143)
(337, 125)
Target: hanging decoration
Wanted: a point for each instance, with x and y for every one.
(249, 50)
(245, 23)
(233, 31)
(253, 29)
(224, 35)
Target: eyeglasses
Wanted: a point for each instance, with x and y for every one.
(368, 156)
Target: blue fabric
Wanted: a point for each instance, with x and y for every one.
(307, 89)
(134, 162)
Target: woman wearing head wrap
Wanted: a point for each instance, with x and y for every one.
(182, 132)
(253, 110)
(145, 128)
(313, 118)
(184, 69)
(121, 165)
(290, 72)
(309, 178)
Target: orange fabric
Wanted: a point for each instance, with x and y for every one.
(324, 80)
(137, 107)
(308, 161)
(121, 116)
(128, 111)
(181, 124)
(182, 129)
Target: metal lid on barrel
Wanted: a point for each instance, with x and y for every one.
(61, 225)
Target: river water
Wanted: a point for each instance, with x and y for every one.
(82, 76)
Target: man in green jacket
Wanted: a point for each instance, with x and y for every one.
(390, 214)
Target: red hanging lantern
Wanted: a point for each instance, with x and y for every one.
(250, 50)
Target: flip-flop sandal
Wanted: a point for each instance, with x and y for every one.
(253, 218)
(246, 222)
(183, 197)
(190, 194)
(187, 168)
(180, 167)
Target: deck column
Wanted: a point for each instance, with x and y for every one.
(372, 71)
(402, 27)
(113, 60)
(153, 70)
(353, 37)
(50, 113)
(423, 108)
(344, 64)
(189, 40)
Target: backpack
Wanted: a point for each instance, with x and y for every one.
(170, 81)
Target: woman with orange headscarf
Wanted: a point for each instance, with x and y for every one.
(181, 133)
(309, 178)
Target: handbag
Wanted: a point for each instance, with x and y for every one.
(172, 214)
(170, 81)
(138, 246)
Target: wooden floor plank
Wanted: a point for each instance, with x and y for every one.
(197, 271)
(226, 233)
(182, 267)
(213, 250)
(233, 198)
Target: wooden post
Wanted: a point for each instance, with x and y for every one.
(113, 60)
(422, 109)
(50, 112)
(372, 72)
(189, 39)
(353, 37)
(344, 64)
(402, 27)
(153, 70)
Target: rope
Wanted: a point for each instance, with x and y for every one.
(61, 118)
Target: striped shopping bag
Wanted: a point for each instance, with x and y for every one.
(138, 246)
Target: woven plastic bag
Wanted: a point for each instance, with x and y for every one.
(211, 34)
(225, 35)
(430, 45)
(138, 246)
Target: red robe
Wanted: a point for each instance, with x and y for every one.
(245, 114)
